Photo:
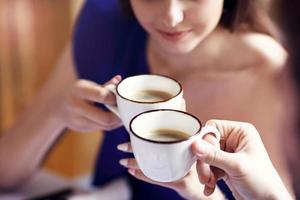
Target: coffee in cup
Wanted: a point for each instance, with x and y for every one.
(150, 95)
(166, 135)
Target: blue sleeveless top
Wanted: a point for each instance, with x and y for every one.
(107, 43)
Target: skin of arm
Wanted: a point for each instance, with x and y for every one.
(24, 145)
(242, 162)
(63, 102)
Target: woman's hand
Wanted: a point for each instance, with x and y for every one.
(188, 187)
(78, 111)
(242, 162)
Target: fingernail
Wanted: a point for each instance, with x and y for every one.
(123, 162)
(131, 171)
(116, 79)
(208, 191)
(122, 147)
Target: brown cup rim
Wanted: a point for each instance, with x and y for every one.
(165, 142)
(152, 102)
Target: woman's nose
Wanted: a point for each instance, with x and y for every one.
(173, 14)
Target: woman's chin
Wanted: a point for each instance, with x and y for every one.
(179, 49)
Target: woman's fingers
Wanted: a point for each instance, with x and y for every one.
(115, 80)
(82, 124)
(88, 90)
(208, 190)
(206, 177)
(110, 98)
(106, 120)
(80, 113)
(129, 163)
(204, 172)
(125, 147)
(210, 138)
(137, 173)
(134, 170)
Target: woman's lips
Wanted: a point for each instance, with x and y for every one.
(174, 36)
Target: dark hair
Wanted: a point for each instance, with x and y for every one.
(287, 14)
(237, 14)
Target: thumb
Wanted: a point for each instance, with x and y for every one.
(214, 156)
(115, 80)
(110, 97)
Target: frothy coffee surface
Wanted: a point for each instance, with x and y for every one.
(167, 135)
(150, 96)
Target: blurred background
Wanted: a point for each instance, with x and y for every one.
(33, 33)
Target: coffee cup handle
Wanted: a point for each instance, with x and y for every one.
(208, 129)
(113, 109)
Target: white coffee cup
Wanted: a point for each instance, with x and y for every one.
(129, 103)
(161, 142)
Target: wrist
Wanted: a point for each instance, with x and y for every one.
(54, 120)
(280, 193)
(57, 122)
(278, 190)
(56, 116)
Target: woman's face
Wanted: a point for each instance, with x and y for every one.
(178, 26)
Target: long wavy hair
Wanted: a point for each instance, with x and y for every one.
(237, 15)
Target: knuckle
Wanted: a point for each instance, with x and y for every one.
(249, 125)
(183, 183)
(238, 166)
(250, 128)
(81, 83)
(212, 122)
(78, 85)
(215, 155)
(216, 123)
(100, 94)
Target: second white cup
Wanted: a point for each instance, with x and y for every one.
(161, 142)
(137, 94)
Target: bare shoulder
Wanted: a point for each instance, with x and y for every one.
(262, 49)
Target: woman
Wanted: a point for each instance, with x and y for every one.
(218, 50)
(208, 66)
